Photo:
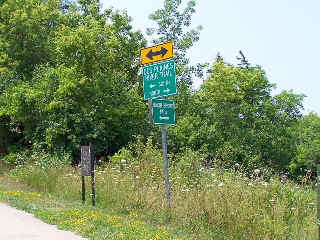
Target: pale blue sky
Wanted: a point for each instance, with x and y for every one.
(283, 36)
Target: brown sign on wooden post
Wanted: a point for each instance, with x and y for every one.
(85, 161)
(87, 169)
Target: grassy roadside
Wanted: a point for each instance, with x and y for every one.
(93, 223)
(131, 204)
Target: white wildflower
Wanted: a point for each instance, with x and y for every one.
(257, 171)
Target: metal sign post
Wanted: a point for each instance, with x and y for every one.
(166, 164)
(159, 80)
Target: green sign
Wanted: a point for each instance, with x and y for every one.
(159, 80)
(163, 112)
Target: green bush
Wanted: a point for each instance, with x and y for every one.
(42, 159)
(187, 167)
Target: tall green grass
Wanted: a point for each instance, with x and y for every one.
(206, 203)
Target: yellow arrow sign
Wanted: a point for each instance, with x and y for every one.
(156, 53)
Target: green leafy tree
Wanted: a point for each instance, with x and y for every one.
(173, 24)
(235, 119)
(25, 30)
(84, 85)
(308, 144)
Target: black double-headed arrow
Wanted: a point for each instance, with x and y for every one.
(162, 52)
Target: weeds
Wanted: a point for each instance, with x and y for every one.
(206, 203)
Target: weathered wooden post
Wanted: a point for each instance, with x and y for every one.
(93, 190)
(83, 189)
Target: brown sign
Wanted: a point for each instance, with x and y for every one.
(86, 161)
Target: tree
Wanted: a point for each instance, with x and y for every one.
(235, 119)
(247, 119)
(173, 25)
(308, 144)
(83, 84)
(25, 30)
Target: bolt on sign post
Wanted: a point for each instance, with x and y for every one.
(159, 80)
(87, 169)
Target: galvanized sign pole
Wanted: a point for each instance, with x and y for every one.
(166, 164)
(159, 80)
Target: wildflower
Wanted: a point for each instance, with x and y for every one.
(257, 172)
(249, 184)
(237, 165)
(123, 161)
(221, 184)
(272, 200)
(137, 177)
(283, 178)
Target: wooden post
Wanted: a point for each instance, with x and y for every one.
(92, 154)
(166, 164)
(83, 190)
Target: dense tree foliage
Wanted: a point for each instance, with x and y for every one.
(75, 75)
(173, 24)
(69, 75)
(308, 144)
(235, 119)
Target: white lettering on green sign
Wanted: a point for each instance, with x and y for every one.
(163, 112)
(159, 80)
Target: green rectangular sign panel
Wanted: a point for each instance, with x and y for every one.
(163, 112)
(159, 80)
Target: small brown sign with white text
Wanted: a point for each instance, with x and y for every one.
(85, 161)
